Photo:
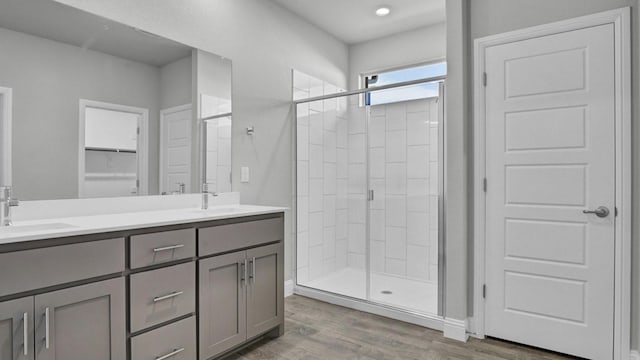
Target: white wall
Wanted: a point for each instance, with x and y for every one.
(264, 42)
(408, 48)
(48, 79)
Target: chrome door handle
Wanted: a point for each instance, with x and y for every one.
(253, 269)
(243, 270)
(173, 353)
(46, 328)
(600, 212)
(25, 343)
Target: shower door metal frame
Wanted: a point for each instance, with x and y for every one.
(434, 321)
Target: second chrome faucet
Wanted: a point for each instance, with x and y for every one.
(205, 195)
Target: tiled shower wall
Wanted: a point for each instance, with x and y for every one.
(403, 152)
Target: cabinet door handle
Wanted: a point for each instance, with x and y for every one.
(167, 248)
(243, 269)
(46, 328)
(25, 334)
(168, 296)
(253, 269)
(173, 353)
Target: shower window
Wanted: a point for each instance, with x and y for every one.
(420, 91)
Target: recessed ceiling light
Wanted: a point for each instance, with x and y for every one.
(383, 11)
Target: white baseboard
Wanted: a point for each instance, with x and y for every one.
(288, 288)
(634, 355)
(455, 329)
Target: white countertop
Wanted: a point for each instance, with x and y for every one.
(29, 230)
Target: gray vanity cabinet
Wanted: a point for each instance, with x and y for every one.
(222, 303)
(82, 322)
(241, 297)
(16, 329)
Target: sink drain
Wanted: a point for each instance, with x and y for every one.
(386, 292)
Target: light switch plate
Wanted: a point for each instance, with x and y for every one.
(244, 174)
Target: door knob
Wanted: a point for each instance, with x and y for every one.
(601, 212)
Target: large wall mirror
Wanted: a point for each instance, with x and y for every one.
(93, 108)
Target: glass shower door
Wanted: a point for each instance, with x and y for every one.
(331, 194)
(404, 182)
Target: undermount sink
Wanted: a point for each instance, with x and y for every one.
(36, 227)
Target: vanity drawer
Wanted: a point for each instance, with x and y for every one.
(161, 295)
(223, 238)
(175, 341)
(161, 247)
(40, 268)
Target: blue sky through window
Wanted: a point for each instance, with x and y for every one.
(414, 92)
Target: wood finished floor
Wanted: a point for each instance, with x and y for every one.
(317, 330)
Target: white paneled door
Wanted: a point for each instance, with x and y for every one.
(175, 149)
(550, 157)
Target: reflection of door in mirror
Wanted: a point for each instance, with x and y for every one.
(175, 149)
(112, 158)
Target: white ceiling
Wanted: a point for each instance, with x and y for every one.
(354, 21)
(54, 21)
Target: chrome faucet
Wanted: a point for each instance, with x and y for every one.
(7, 202)
(205, 195)
(181, 188)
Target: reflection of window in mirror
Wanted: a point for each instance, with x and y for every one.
(114, 160)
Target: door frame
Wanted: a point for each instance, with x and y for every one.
(6, 96)
(163, 115)
(621, 19)
(142, 148)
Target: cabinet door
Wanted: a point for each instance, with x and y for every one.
(82, 322)
(16, 329)
(265, 289)
(222, 303)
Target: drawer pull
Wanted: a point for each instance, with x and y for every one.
(168, 296)
(173, 353)
(25, 325)
(167, 248)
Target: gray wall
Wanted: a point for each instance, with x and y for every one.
(456, 152)
(48, 79)
(487, 17)
(264, 42)
(175, 83)
(408, 48)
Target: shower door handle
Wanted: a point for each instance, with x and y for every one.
(371, 195)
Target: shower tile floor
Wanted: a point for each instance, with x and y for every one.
(406, 294)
